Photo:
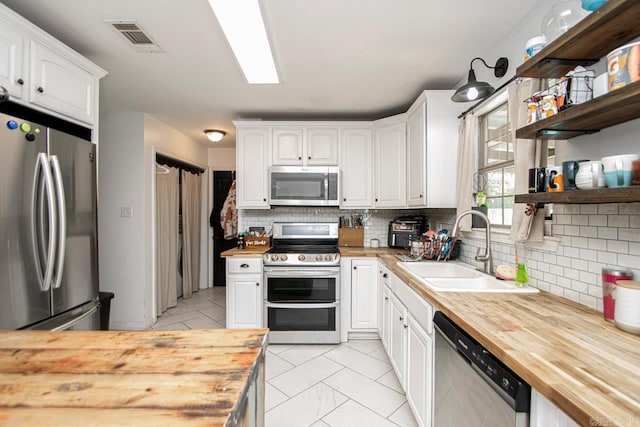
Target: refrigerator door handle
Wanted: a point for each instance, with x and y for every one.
(72, 322)
(62, 221)
(42, 169)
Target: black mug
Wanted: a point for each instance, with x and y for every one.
(537, 180)
(569, 172)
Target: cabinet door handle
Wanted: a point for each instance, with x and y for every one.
(300, 157)
(376, 200)
(386, 298)
(344, 200)
(257, 283)
(384, 275)
(40, 89)
(405, 326)
(264, 200)
(355, 268)
(309, 157)
(421, 196)
(401, 318)
(20, 81)
(244, 265)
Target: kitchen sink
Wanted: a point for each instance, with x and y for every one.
(453, 277)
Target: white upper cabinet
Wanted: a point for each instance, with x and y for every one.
(287, 147)
(433, 150)
(390, 171)
(356, 168)
(417, 155)
(322, 146)
(252, 147)
(44, 74)
(13, 56)
(61, 85)
(305, 146)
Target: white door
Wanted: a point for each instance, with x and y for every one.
(61, 85)
(322, 146)
(385, 319)
(287, 147)
(390, 171)
(356, 167)
(13, 75)
(244, 301)
(417, 156)
(419, 371)
(251, 168)
(364, 294)
(397, 338)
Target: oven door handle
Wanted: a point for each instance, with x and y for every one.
(302, 306)
(306, 273)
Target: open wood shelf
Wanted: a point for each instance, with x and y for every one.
(614, 24)
(600, 195)
(618, 106)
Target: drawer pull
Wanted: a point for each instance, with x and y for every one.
(20, 81)
(244, 265)
(384, 275)
(40, 89)
(257, 283)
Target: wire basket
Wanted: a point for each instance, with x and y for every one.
(561, 94)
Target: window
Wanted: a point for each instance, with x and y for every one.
(496, 168)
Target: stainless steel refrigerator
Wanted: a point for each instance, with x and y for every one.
(48, 239)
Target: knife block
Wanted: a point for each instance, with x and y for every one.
(353, 237)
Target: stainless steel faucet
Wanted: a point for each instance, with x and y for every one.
(485, 257)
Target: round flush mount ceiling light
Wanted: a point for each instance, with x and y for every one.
(215, 135)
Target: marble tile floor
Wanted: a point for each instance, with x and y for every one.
(311, 385)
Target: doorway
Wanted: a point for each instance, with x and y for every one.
(222, 181)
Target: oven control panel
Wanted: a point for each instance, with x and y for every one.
(302, 259)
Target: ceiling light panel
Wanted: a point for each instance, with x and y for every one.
(243, 25)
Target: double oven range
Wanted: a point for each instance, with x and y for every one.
(302, 284)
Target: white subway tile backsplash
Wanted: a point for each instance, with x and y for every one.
(572, 230)
(549, 278)
(579, 286)
(580, 242)
(607, 233)
(572, 252)
(631, 261)
(563, 281)
(629, 234)
(579, 219)
(557, 290)
(598, 220)
(634, 220)
(588, 255)
(596, 268)
(607, 257)
(595, 290)
(587, 277)
(634, 248)
(629, 208)
(618, 220)
(586, 231)
(597, 244)
(564, 261)
(588, 209)
(556, 269)
(608, 209)
(549, 258)
(572, 209)
(618, 246)
(572, 295)
(561, 219)
(589, 301)
(570, 273)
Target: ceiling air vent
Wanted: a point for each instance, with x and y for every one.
(135, 35)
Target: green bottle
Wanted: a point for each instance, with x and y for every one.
(521, 276)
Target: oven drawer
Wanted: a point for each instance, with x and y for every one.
(244, 265)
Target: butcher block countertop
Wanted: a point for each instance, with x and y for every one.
(150, 378)
(586, 366)
(257, 253)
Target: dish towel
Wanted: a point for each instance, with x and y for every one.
(229, 214)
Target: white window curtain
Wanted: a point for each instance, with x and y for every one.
(166, 238)
(466, 166)
(191, 224)
(527, 225)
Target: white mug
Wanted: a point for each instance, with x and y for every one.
(617, 170)
(590, 175)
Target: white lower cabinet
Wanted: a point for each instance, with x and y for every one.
(364, 294)
(398, 338)
(406, 332)
(244, 292)
(419, 378)
(544, 413)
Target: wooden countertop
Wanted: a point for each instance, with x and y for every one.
(150, 378)
(586, 366)
(250, 253)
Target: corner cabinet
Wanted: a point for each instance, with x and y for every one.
(252, 148)
(42, 73)
(356, 167)
(614, 24)
(244, 292)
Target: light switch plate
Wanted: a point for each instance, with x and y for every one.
(126, 211)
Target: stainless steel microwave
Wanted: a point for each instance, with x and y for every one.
(304, 186)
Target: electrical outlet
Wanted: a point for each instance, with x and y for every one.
(126, 211)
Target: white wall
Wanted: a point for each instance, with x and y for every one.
(128, 143)
(222, 159)
(121, 241)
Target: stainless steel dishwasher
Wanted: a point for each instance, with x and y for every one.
(472, 387)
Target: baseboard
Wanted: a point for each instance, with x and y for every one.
(115, 325)
(362, 335)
